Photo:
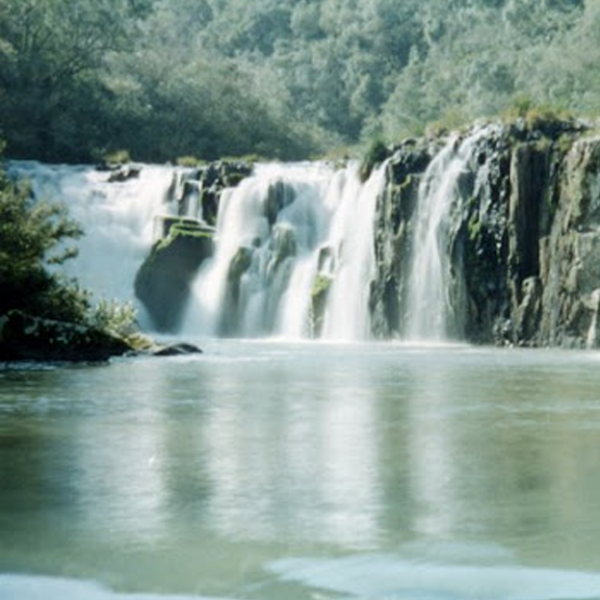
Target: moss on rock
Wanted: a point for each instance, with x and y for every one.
(163, 281)
(318, 302)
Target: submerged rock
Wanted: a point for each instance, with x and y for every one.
(124, 173)
(177, 349)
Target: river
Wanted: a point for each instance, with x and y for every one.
(275, 470)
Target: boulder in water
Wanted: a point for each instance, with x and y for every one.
(164, 280)
(177, 349)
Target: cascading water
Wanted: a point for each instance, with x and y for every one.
(269, 221)
(117, 219)
(433, 315)
(294, 255)
(353, 232)
(294, 252)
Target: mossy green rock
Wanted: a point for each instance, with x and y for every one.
(318, 302)
(239, 264)
(163, 282)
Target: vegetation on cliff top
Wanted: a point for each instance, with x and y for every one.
(209, 78)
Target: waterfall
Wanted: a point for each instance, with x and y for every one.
(294, 255)
(294, 252)
(347, 315)
(433, 314)
(116, 216)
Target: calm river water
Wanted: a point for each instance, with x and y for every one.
(267, 470)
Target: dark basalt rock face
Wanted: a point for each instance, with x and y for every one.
(394, 234)
(524, 236)
(213, 179)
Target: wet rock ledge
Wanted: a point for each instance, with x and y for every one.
(24, 337)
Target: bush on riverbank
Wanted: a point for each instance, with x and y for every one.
(39, 308)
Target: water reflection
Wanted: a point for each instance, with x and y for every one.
(299, 460)
(432, 453)
(205, 466)
(121, 478)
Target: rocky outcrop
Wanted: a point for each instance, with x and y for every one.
(394, 230)
(523, 237)
(319, 294)
(204, 186)
(28, 338)
(163, 281)
(184, 241)
(124, 173)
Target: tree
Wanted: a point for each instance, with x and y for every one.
(48, 49)
(33, 238)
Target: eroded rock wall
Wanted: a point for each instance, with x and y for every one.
(524, 236)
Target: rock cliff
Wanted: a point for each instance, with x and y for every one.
(522, 236)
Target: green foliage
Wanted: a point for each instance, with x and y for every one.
(116, 317)
(451, 120)
(208, 78)
(188, 161)
(375, 155)
(33, 238)
(519, 106)
(535, 114)
(116, 157)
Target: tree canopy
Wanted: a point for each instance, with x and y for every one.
(278, 78)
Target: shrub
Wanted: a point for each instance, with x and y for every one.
(33, 238)
(375, 155)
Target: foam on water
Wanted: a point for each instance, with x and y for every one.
(22, 587)
(388, 577)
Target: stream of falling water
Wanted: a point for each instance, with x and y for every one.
(294, 244)
(294, 252)
(294, 256)
(117, 219)
(433, 314)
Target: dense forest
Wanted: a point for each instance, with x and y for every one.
(165, 79)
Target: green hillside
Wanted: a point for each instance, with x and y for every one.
(279, 78)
